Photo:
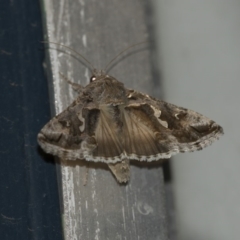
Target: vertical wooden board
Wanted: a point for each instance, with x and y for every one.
(99, 30)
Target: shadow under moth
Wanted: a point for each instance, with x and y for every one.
(112, 124)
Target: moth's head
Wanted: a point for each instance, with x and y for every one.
(97, 75)
(105, 89)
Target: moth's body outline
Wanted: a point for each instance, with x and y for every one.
(138, 126)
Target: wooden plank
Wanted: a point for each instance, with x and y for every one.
(99, 30)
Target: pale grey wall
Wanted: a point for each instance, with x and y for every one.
(199, 52)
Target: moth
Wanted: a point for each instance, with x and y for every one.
(112, 124)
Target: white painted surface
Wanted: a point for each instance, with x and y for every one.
(199, 52)
(103, 209)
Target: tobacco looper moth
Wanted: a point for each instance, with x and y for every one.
(112, 124)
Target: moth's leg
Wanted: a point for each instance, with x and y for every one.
(85, 179)
(121, 170)
(76, 87)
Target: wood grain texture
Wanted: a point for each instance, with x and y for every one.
(99, 30)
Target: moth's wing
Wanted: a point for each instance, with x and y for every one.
(144, 129)
(107, 134)
(69, 134)
(84, 131)
(155, 129)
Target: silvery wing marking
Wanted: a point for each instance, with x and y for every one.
(109, 123)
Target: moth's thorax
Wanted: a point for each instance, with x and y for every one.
(106, 90)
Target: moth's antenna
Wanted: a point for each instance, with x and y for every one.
(72, 50)
(134, 45)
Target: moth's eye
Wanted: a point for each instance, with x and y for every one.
(93, 78)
